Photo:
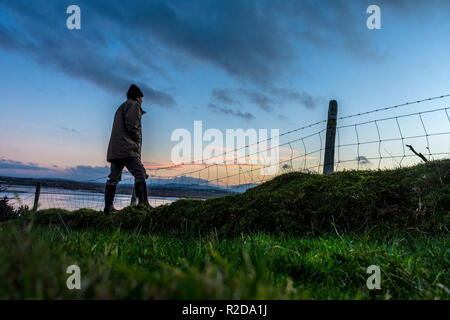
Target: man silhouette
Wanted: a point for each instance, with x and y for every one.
(124, 149)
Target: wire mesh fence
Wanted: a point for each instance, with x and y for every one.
(373, 144)
(70, 199)
(375, 139)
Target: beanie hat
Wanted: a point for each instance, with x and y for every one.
(134, 92)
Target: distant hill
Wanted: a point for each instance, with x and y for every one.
(184, 187)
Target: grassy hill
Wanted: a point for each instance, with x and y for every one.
(299, 236)
(414, 199)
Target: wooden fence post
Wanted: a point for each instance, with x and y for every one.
(328, 166)
(36, 196)
(133, 197)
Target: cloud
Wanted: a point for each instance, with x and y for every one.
(88, 171)
(223, 95)
(32, 170)
(302, 98)
(12, 164)
(362, 160)
(70, 130)
(254, 41)
(243, 38)
(273, 98)
(236, 113)
(159, 97)
(82, 55)
(260, 99)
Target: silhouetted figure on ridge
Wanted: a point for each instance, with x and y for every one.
(124, 148)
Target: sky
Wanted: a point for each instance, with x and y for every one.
(259, 64)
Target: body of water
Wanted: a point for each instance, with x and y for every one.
(69, 199)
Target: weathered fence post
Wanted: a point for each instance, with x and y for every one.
(133, 197)
(36, 196)
(328, 166)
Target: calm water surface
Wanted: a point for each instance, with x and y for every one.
(70, 199)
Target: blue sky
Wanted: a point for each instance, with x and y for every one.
(232, 64)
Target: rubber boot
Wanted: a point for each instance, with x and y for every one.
(141, 193)
(110, 191)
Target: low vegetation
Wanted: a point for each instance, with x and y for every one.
(299, 236)
(414, 199)
(123, 265)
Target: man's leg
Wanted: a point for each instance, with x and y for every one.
(135, 166)
(110, 190)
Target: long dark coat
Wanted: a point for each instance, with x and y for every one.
(126, 134)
